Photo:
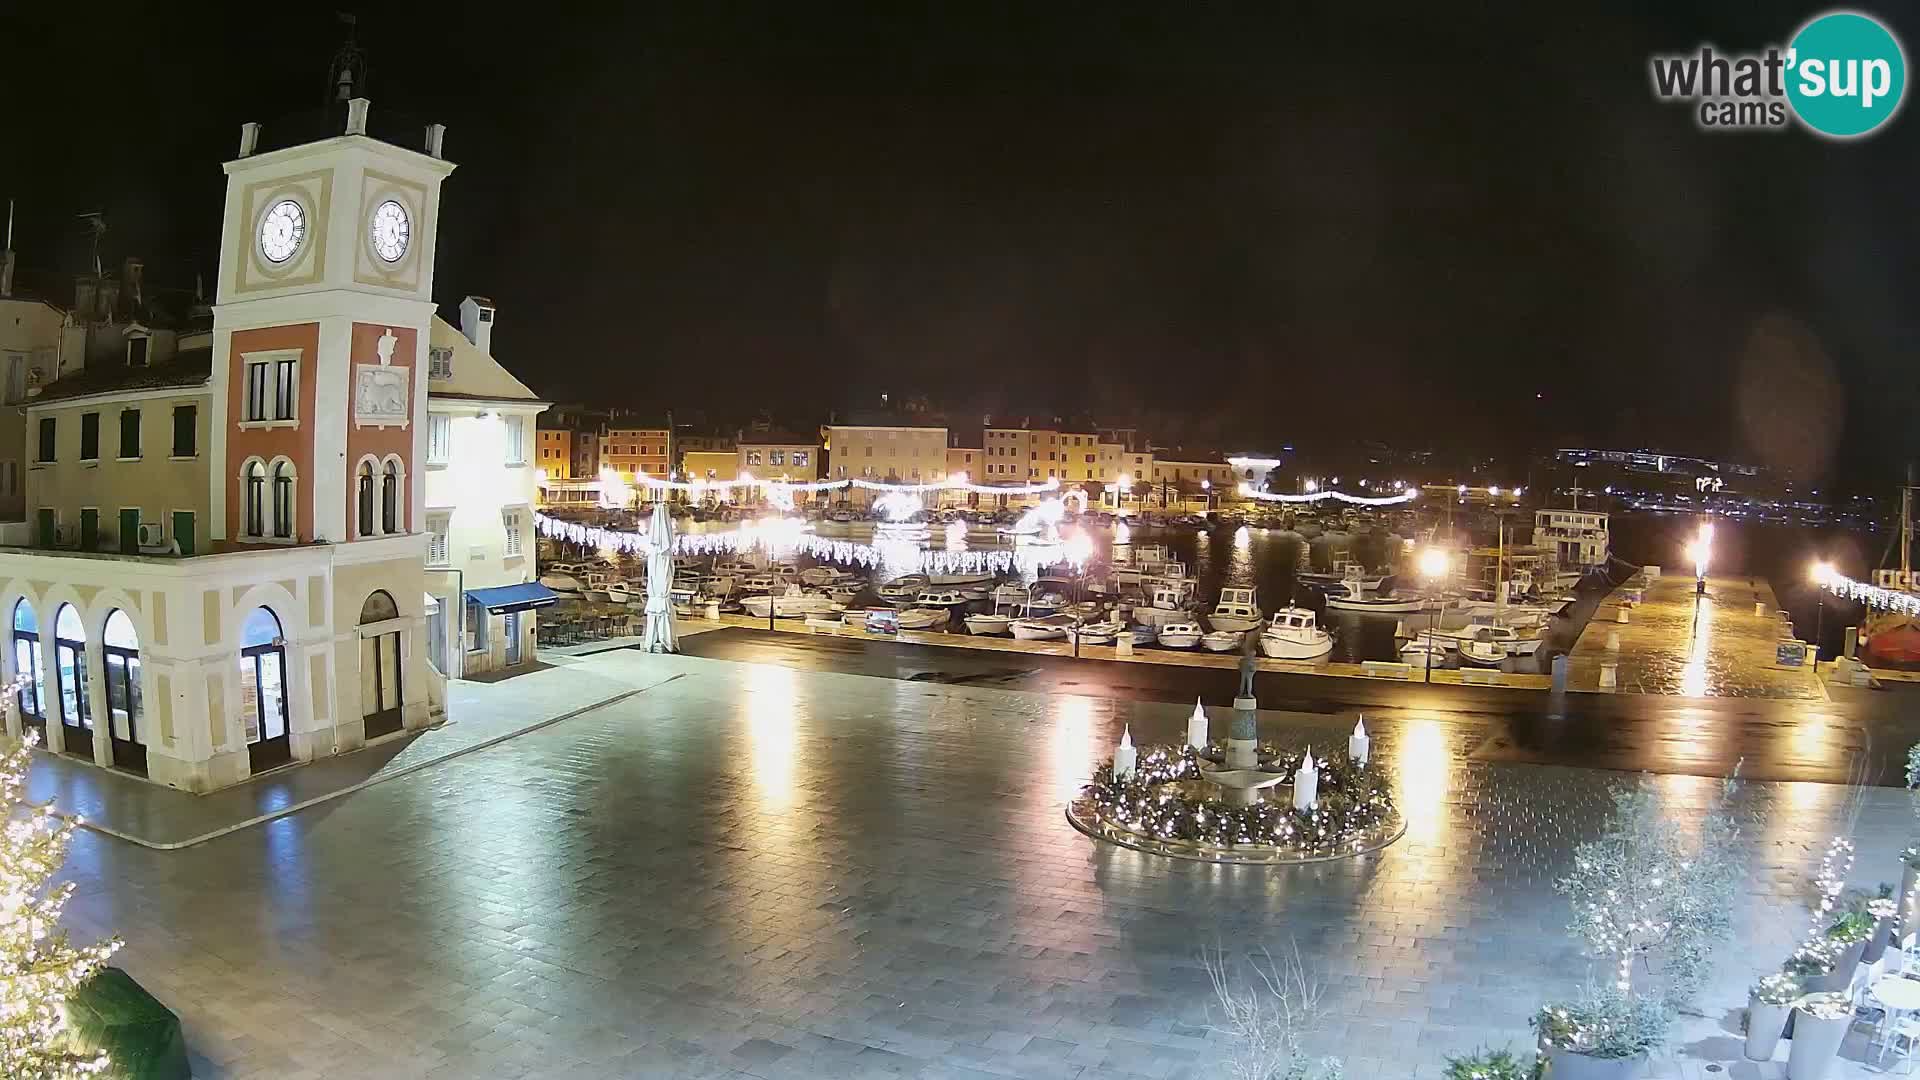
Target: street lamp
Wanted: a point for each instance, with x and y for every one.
(1701, 552)
(1822, 573)
(1433, 567)
(1206, 487)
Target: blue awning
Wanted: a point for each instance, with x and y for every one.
(508, 598)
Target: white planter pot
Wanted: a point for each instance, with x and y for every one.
(1566, 1065)
(1815, 1043)
(1877, 944)
(1907, 920)
(1764, 1025)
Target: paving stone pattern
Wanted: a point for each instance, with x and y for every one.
(758, 872)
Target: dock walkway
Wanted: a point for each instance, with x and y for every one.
(1673, 644)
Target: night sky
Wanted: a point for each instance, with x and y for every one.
(1472, 231)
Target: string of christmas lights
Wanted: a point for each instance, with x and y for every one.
(1904, 603)
(952, 482)
(781, 537)
(1339, 496)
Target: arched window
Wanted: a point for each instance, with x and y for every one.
(70, 671)
(365, 498)
(120, 654)
(390, 498)
(283, 500)
(26, 660)
(379, 608)
(263, 691)
(256, 498)
(380, 685)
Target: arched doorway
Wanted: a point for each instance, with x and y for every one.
(263, 691)
(380, 665)
(70, 672)
(26, 660)
(120, 656)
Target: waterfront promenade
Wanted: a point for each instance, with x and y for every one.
(1676, 643)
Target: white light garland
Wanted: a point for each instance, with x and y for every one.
(1321, 496)
(784, 536)
(952, 482)
(1905, 603)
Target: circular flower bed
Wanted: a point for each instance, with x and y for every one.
(1169, 807)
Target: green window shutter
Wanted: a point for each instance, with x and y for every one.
(129, 531)
(89, 529)
(183, 530)
(46, 528)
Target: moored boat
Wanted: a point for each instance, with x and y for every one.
(1237, 609)
(1041, 628)
(1294, 633)
(1223, 640)
(1179, 635)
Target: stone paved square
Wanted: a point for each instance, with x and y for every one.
(755, 871)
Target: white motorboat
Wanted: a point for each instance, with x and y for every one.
(1223, 640)
(921, 618)
(793, 604)
(941, 598)
(621, 592)
(1237, 609)
(1482, 652)
(857, 617)
(1423, 652)
(1145, 635)
(1179, 635)
(754, 584)
(1381, 602)
(996, 623)
(1009, 593)
(902, 590)
(1094, 633)
(739, 568)
(819, 576)
(1165, 604)
(1294, 634)
(1041, 628)
(560, 581)
(844, 593)
(957, 580)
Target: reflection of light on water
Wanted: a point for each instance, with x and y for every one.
(956, 536)
(897, 557)
(1240, 560)
(1121, 533)
(770, 733)
(1811, 735)
(1694, 677)
(1424, 772)
(1073, 755)
(1688, 735)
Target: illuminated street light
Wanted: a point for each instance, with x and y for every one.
(1311, 487)
(1433, 567)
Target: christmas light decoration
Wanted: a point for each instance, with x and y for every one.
(1154, 801)
(39, 970)
(1903, 603)
(1313, 496)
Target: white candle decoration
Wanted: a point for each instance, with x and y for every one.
(1125, 757)
(1197, 727)
(1357, 743)
(1306, 783)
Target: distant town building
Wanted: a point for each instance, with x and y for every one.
(886, 453)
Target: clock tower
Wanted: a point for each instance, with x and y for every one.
(321, 319)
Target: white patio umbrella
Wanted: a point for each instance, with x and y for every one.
(660, 632)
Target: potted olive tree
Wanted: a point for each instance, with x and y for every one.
(1768, 1004)
(1604, 1034)
(1820, 1022)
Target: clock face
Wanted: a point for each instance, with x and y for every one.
(282, 231)
(390, 230)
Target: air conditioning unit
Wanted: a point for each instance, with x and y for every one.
(151, 534)
(65, 535)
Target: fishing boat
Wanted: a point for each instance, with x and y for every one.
(757, 584)
(956, 580)
(1482, 652)
(1380, 601)
(1237, 609)
(1294, 634)
(987, 624)
(1094, 633)
(1179, 635)
(1424, 651)
(902, 590)
(1008, 592)
(919, 618)
(1165, 604)
(792, 604)
(621, 592)
(940, 598)
(1041, 628)
(739, 568)
(1144, 635)
(1223, 640)
(561, 578)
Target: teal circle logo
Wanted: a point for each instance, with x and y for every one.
(1846, 74)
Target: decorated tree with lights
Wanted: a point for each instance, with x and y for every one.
(1654, 885)
(39, 969)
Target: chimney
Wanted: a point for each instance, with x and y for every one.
(133, 272)
(357, 116)
(84, 287)
(476, 321)
(436, 138)
(108, 298)
(249, 138)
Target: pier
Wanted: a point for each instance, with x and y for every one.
(1720, 644)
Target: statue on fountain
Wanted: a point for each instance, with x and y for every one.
(1249, 665)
